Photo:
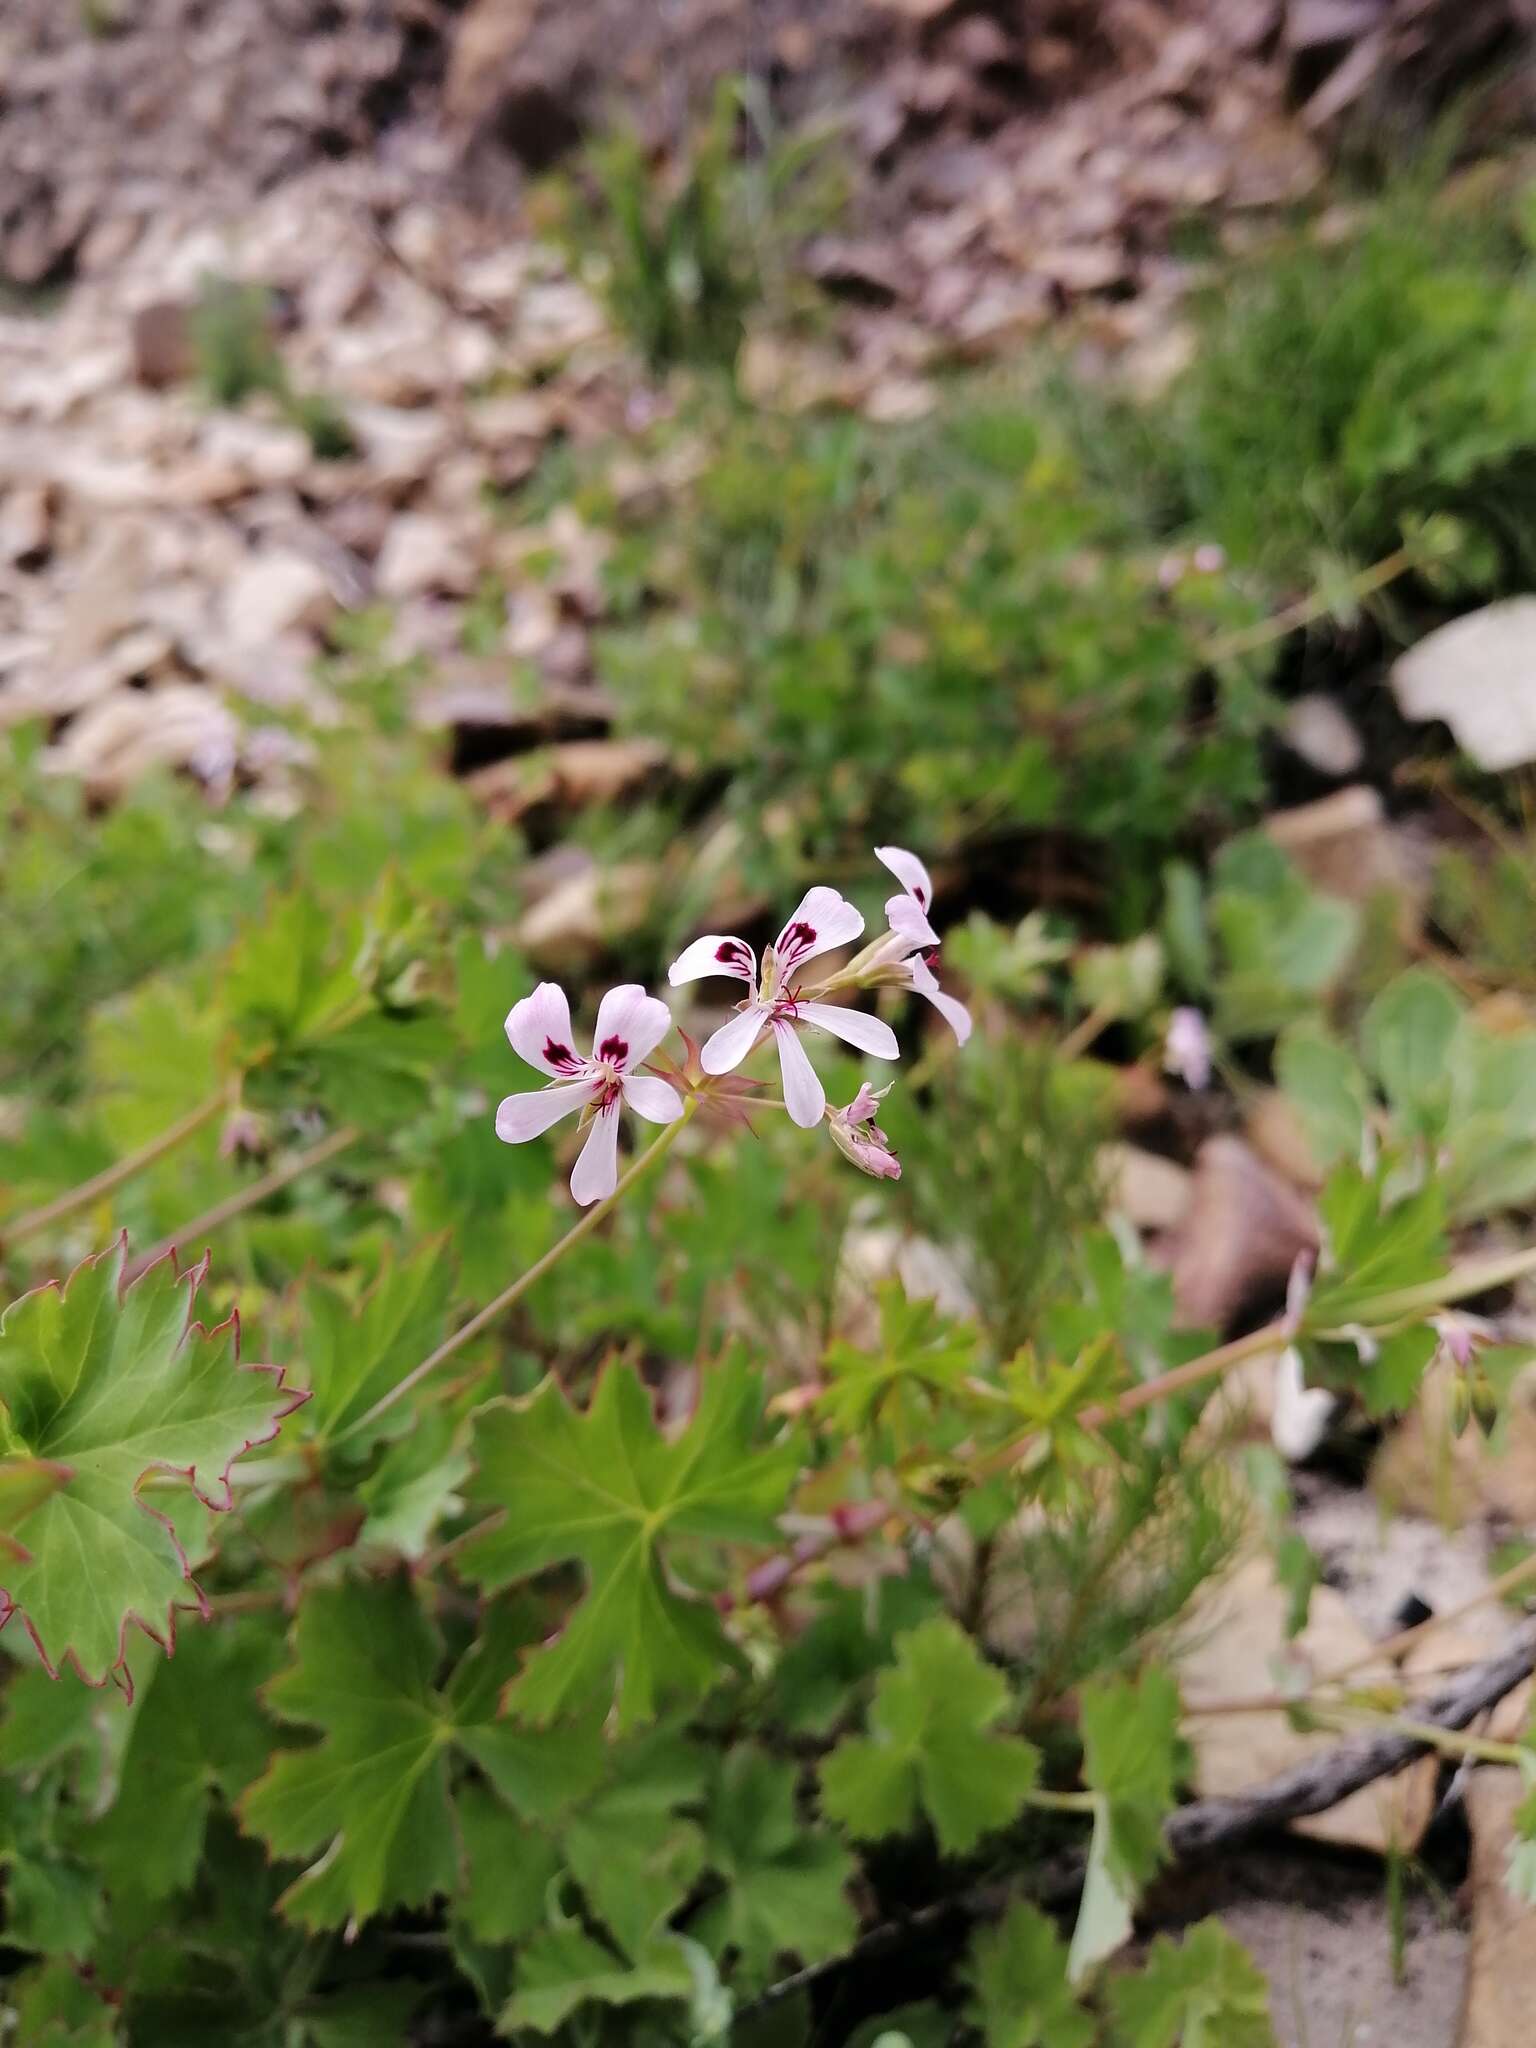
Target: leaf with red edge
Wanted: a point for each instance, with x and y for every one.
(120, 1386)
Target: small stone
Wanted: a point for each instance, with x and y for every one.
(161, 337)
(1317, 730)
(1343, 844)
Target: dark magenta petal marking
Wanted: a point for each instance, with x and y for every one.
(558, 1055)
(615, 1050)
(799, 937)
(731, 950)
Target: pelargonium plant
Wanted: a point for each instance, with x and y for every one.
(582, 1711)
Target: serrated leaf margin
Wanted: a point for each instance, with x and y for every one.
(192, 1277)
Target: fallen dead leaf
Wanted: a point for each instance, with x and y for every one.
(1240, 1235)
(587, 911)
(1501, 1965)
(179, 725)
(1323, 735)
(1275, 1132)
(424, 553)
(273, 594)
(573, 775)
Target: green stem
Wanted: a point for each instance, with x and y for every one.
(1472, 1277)
(248, 1197)
(1061, 1802)
(30, 1221)
(1086, 1030)
(1456, 1742)
(1316, 605)
(582, 1227)
(1208, 1366)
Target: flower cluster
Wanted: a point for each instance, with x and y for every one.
(782, 999)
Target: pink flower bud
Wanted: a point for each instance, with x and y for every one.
(859, 1138)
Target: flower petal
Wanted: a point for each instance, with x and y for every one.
(865, 1106)
(715, 953)
(521, 1117)
(804, 1096)
(910, 872)
(630, 1026)
(854, 1027)
(596, 1172)
(924, 982)
(656, 1100)
(905, 917)
(1301, 1413)
(540, 1030)
(822, 920)
(729, 1046)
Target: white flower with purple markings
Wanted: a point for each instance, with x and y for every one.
(630, 1025)
(910, 947)
(823, 921)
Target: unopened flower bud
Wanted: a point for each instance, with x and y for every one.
(244, 1136)
(859, 1138)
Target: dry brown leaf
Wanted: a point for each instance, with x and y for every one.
(179, 725)
(1276, 1133)
(573, 775)
(273, 594)
(423, 553)
(1240, 1236)
(588, 911)
(1501, 1966)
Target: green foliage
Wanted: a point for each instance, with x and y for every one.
(690, 1620)
(372, 1798)
(785, 1887)
(1351, 391)
(1203, 1992)
(687, 248)
(606, 1487)
(119, 1386)
(1258, 945)
(1005, 1152)
(921, 634)
(1132, 1760)
(1455, 1092)
(233, 333)
(1019, 1977)
(931, 1748)
(920, 1354)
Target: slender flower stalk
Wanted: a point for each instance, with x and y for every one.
(247, 1197)
(107, 1182)
(583, 1227)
